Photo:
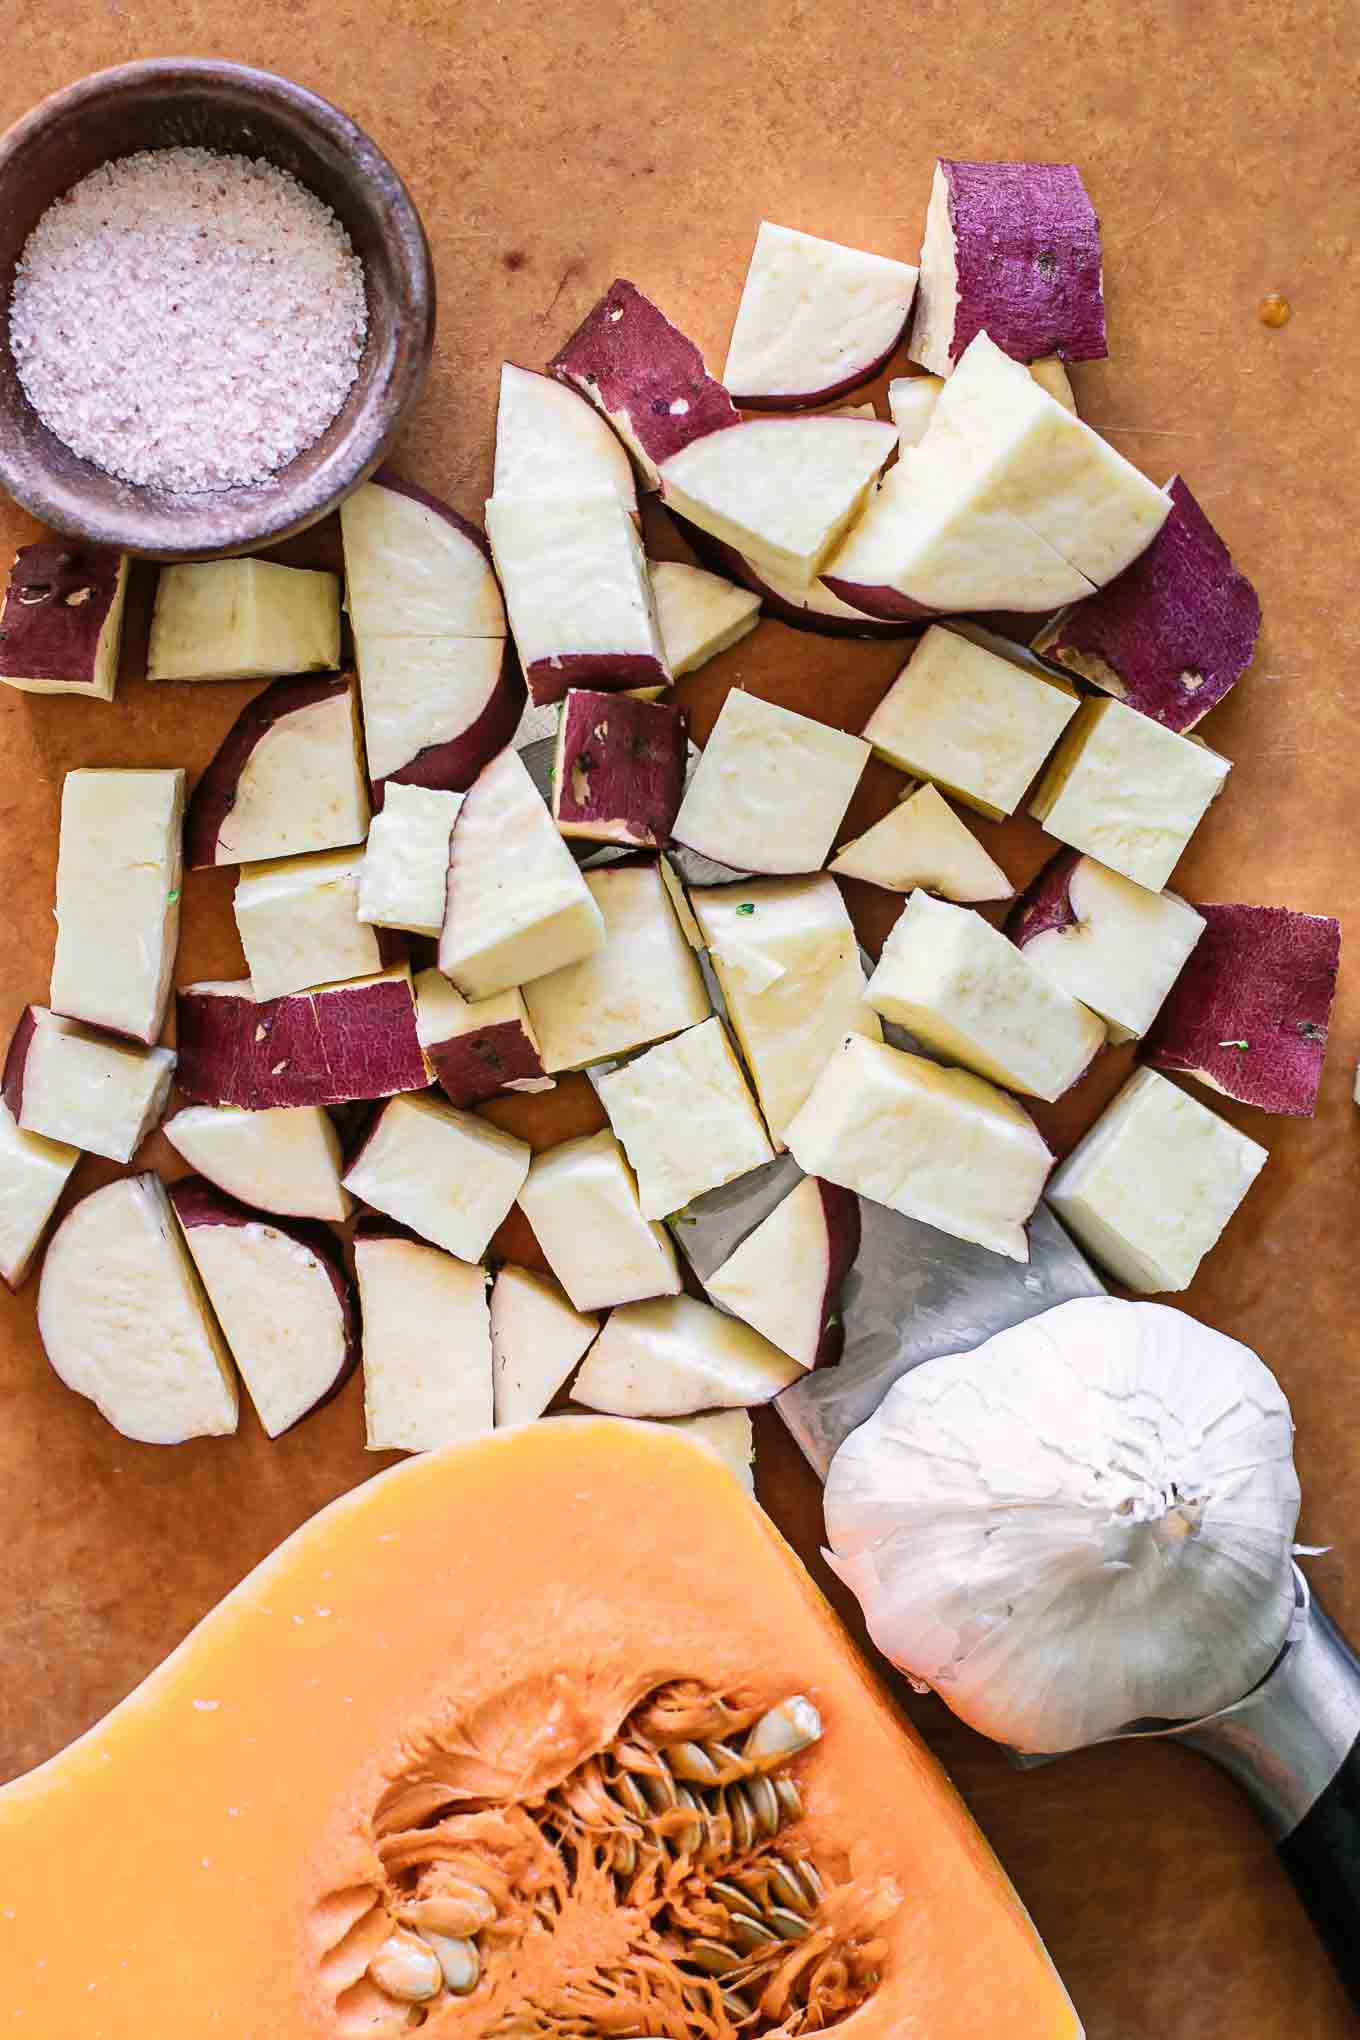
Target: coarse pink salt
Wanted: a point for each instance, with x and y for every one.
(188, 320)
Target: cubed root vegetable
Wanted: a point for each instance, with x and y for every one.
(280, 1159)
(72, 1084)
(673, 1356)
(536, 1340)
(1174, 632)
(646, 377)
(280, 1293)
(405, 870)
(299, 925)
(414, 567)
(550, 440)
(1249, 1013)
(581, 1198)
(577, 589)
(1150, 1188)
(427, 1341)
(33, 1174)
(477, 1049)
(815, 320)
(700, 614)
(123, 1318)
(770, 789)
(619, 771)
(436, 709)
(324, 1047)
(118, 887)
(812, 608)
(1112, 944)
(61, 626)
(1012, 249)
(287, 778)
(686, 1118)
(243, 620)
(785, 1277)
(921, 842)
(449, 1176)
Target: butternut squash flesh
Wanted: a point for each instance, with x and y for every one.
(509, 1741)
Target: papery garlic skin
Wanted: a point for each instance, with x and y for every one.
(1087, 1522)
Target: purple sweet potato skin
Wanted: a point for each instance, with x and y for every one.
(627, 356)
(888, 604)
(307, 1048)
(56, 606)
(550, 679)
(1046, 903)
(215, 795)
(840, 1208)
(807, 400)
(451, 767)
(1265, 976)
(12, 1083)
(1027, 247)
(1173, 632)
(470, 1068)
(622, 769)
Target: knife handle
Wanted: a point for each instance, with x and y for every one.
(1322, 1856)
(1293, 1745)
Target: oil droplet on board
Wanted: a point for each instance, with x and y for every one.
(1274, 310)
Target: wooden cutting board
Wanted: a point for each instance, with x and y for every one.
(551, 149)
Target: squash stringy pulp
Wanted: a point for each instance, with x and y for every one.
(659, 1888)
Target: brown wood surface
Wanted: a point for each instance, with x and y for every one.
(551, 149)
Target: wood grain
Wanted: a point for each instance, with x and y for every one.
(549, 150)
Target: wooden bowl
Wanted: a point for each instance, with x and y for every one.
(229, 107)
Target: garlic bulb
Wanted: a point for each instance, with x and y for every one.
(1086, 1522)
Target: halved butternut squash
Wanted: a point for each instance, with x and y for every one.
(546, 1735)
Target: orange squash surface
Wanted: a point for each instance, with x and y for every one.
(469, 1694)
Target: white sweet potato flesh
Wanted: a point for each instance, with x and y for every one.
(284, 1159)
(124, 1321)
(700, 614)
(1112, 944)
(787, 959)
(771, 788)
(911, 405)
(436, 708)
(414, 567)
(327, 1047)
(33, 1173)
(70, 1084)
(536, 1340)
(1012, 248)
(963, 990)
(782, 490)
(619, 769)
(641, 986)
(921, 842)
(977, 724)
(444, 1173)
(517, 907)
(405, 870)
(675, 1355)
(477, 1048)
(577, 589)
(1249, 1013)
(550, 441)
(243, 620)
(816, 319)
(685, 1117)
(1151, 1187)
(1174, 632)
(936, 1144)
(785, 1277)
(645, 376)
(1128, 792)
(61, 626)
(117, 908)
(427, 1343)
(287, 778)
(281, 1296)
(299, 924)
(581, 1198)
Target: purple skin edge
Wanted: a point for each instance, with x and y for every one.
(385, 479)
(211, 1027)
(725, 559)
(805, 400)
(840, 1210)
(1263, 975)
(606, 672)
(471, 1067)
(620, 372)
(197, 1202)
(12, 1084)
(639, 790)
(1033, 300)
(47, 638)
(452, 765)
(214, 796)
(1045, 905)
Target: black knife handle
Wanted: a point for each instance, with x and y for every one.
(1322, 1857)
